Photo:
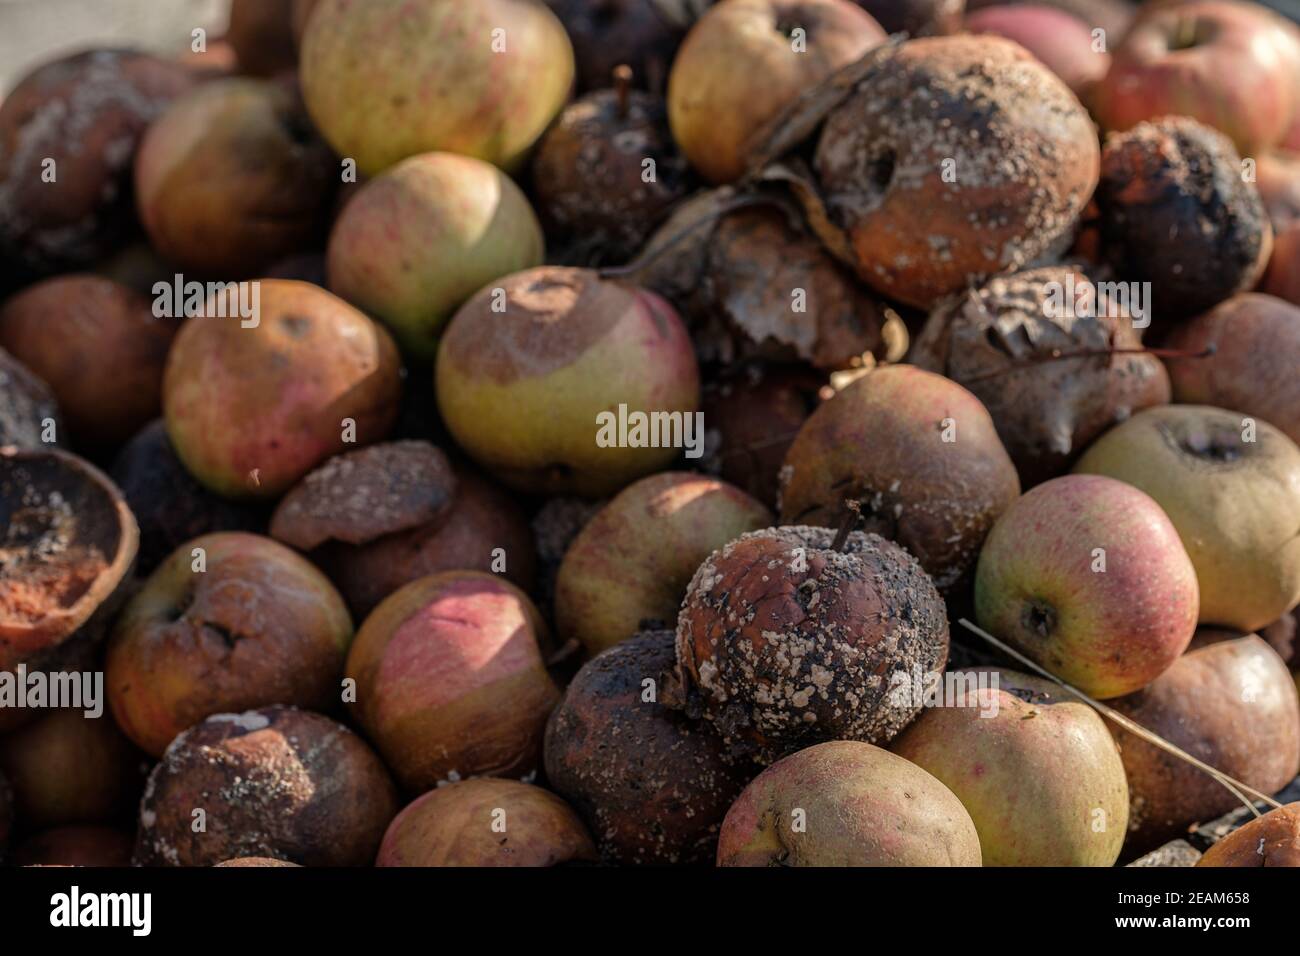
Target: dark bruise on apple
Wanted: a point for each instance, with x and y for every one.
(788, 637)
(1177, 212)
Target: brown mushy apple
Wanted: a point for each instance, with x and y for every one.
(275, 782)
(920, 455)
(85, 112)
(99, 347)
(954, 158)
(1177, 212)
(783, 641)
(652, 784)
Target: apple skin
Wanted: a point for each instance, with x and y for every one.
(1236, 504)
(169, 505)
(422, 237)
(75, 845)
(99, 347)
(715, 109)
(916, 18)
(1270, 840)
(1278, 177)
(1241, 75)
(451, 682)
(87, 113)
(863, 806)
(251, 410)
(1228, 701)
(891, 153)
(520, 390)
(1257, 351)
(409, 95)
(261, 32)
(482, 518)
(277, 782)
(65, 767)
(880, 439)
(260, 625)
(232, 177)
(454, 826)
(652, 783)
(1036, 777)
(784, 641)
(1062, 42)
(1106, 632)
(633, 560)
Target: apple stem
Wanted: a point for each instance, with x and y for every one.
(1056, 355)
(622, 87)
(847, 525)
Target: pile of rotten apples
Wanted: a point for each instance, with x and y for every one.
(495, 432)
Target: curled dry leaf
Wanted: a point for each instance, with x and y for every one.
(754, 284)
(1007, 342)
(365, 494)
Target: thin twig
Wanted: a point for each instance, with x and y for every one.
(1234, 786)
